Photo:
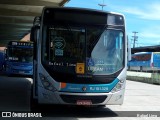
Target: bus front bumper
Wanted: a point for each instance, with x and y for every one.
(66, 98)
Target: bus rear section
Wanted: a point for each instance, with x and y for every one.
(19, 58)
(155, 64)
(80, 61)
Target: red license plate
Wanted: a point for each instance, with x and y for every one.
(84, 102)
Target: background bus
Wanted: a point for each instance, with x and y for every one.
(79, 61)
(2, 60)
(145, 61)
(19, 58)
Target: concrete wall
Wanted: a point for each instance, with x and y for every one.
(152, 78)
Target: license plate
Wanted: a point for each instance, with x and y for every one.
(84, 102)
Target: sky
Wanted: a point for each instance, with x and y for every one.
(142, 16)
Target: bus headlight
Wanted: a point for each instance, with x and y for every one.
(118, 87)
(46, 83)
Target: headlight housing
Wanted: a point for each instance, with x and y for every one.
(118, 86)
(46, 83)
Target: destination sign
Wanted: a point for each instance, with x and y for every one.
(22, 43)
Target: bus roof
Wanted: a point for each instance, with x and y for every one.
(138, 53)
(74, 15)
(83, 9)
(142, 53)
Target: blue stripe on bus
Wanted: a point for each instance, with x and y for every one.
(89, 88)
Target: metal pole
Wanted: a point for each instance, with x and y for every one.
(135, 38)
(102, 5)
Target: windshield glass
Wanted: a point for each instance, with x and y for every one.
(65, 48)
(83, 50)
(20, 54)
(106, 53)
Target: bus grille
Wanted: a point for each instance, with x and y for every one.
(73, 98)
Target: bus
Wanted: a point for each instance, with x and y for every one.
(2, 60)
(80, 57)
(145, 61)
(19, 58)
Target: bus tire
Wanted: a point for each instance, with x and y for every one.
(141, 69)
(33, 105)
(129, 68)
(33, 102)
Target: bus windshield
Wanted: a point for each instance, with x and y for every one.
(99, 50)
(18, 54)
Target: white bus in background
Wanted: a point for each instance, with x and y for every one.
(145, 61)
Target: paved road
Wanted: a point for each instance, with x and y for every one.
(139, 97)
(14, 93)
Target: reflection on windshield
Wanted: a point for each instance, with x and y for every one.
(20, 54)
(107, 54)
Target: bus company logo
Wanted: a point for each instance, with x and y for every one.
(15, 114)
(84, 88)
(6, 114)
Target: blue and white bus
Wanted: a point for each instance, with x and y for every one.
(2, 60)
(81, 57)
(145, 61)
(19, 58)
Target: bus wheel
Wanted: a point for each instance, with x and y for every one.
(33, 102)
(101, 106)
(141, 69)
(128, 68)
(33, 105)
